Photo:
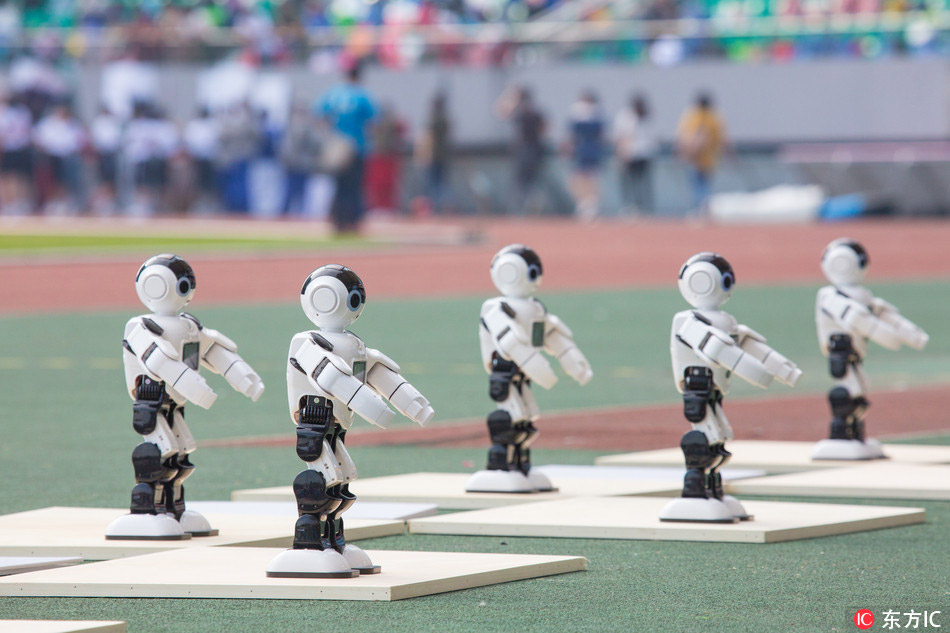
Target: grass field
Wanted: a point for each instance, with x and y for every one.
(66, 441)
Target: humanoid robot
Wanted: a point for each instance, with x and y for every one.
(708, 346)
(163, 352)
(847, 315)
(332, 375)
(515, 328)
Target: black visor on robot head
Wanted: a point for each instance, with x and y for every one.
(860, 252)
(355, 292)
(725, 268)
(183, 272)
(535, 269)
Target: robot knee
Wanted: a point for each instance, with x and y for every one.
(147, 462)
(840, 354)
(842, 404)
(310, 490)
(696, 450)
(309, 443)
(500, 428)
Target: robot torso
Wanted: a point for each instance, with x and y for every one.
(179, 338)
(684, 356)
(527, 313)
(829, 324)
(347, 352)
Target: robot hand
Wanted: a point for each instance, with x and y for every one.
(575, 365)
(195, 389)
(420, 411)
(372, 408)
(245, 380)
(787, 373)
(911, 335)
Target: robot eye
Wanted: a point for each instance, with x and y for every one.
(354, 300)
(534, 271)
(184, 286)
(728, 280)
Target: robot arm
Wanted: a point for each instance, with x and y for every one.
(512, 341)
(221, 357)
(907, 331)
(860, 320)
(158, 358)
(385, 378)
(753, 343)
(323, 371)
(559, 342)
(717, 347)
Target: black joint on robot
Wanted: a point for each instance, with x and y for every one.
(296, 365)
(507, 309)
(322, 342)
(193, 319)
(319, 368)
(152, 326)
(700, 317)
(148, 352)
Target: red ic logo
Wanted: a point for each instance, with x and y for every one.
(864, 619)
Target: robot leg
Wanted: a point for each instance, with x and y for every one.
(356, 557)
(501, 431)
(696, 503)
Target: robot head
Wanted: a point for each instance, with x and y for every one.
(706, 280)
(332, 297)
(516, 271)
(165, 284)
(844, 262)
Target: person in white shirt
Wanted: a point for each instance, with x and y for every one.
(200, 140)
(636, 146)
(60, 139)
(16, 156)
(106, 137)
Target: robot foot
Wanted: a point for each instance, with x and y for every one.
(145, 527)
(359, 561)
(310, 563)
(738, 511)
(195, 524)
(697, 509)
(848, 450)
(539, 481)
(512, 481)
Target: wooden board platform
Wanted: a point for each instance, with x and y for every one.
(62, 531)
(637, 518)
(239, 572)
(872, 481)
(447, 490)
(779, 457)
(644, 473)
(62, 626)
(19, 564)
(359, 510)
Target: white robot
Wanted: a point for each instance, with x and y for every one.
(163, 352)
(332, 375)
(515, 328)
(708, 346)
(847, 315)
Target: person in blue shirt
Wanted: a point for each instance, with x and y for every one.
(349, 109)
(586, 148)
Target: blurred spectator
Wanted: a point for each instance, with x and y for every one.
(106, 136)
(59, 138)
(700, 139)
(636, 146)
(300, 155)
(528, 149)
(587, 149)
(239, 142)
(150, 141)
(16, 157)
(382, 166)
(349, 109)
(200, 140)
(433, 152)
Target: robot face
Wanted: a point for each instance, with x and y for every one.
(516, 271)
(165, 284)
(706, 280)
(333, 296)
(844, 262)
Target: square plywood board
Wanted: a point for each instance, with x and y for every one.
(447, 490)
(873, 481)
(239, 572)
(636, 518)
(359, 510)
(780, 457)
(62, 626)
(19, 564)
(63, 531)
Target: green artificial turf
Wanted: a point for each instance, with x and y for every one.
(66, 438)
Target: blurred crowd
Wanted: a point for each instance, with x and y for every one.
(401, 33)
